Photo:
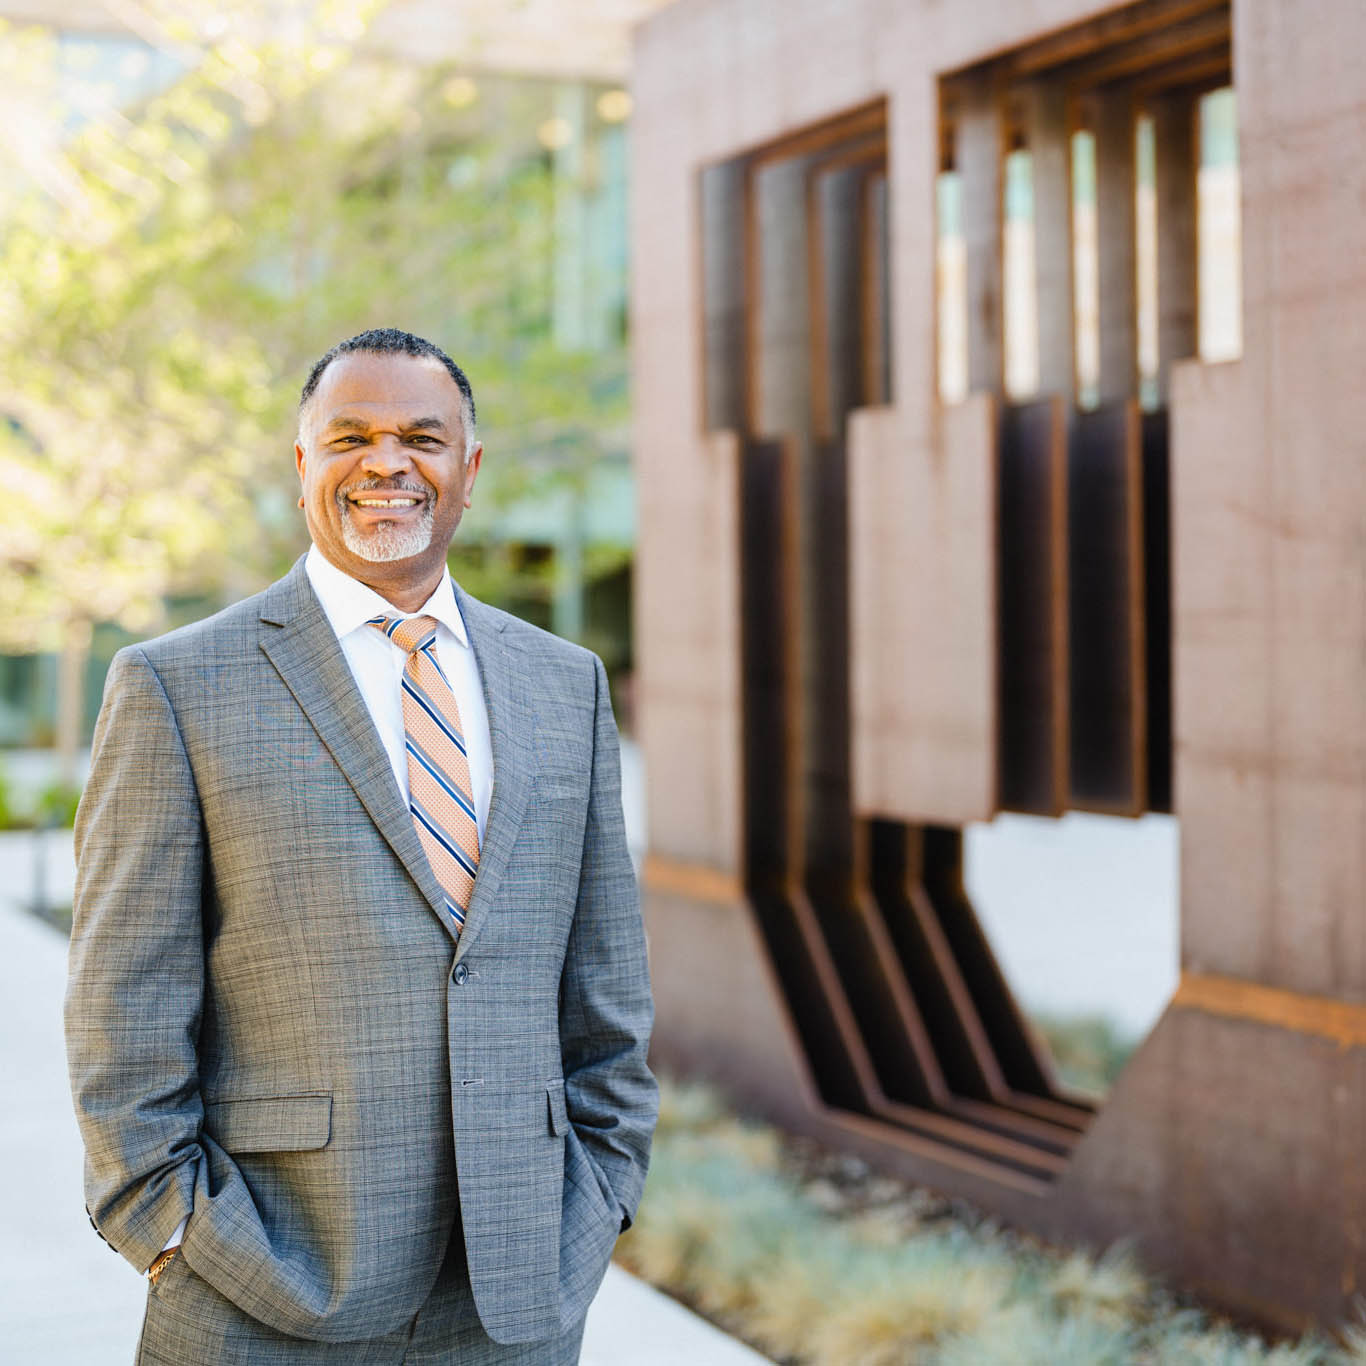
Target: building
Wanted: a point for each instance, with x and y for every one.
(966, 486)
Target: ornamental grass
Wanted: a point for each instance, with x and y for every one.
(815, 1261)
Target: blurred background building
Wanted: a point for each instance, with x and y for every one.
(520, 108)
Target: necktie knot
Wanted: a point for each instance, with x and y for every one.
(408, 633)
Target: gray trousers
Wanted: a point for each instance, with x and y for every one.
(188, 1323)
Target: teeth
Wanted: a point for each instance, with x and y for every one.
(386, 502)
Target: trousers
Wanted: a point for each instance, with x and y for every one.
(188, 1323)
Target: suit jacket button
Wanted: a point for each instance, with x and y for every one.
(459, 973)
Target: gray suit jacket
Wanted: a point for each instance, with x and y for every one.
(268, 1021)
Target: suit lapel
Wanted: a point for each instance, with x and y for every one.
(512, 728)
(299, 641)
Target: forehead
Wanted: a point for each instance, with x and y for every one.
(362, 383)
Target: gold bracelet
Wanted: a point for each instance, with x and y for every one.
(161, 1262)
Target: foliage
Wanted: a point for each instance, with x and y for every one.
(1089, 1051)
(51, 808)
(174, 267)
(727, 1226)
(57, 804)
(132, 415)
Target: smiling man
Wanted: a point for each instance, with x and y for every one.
(358, 1004)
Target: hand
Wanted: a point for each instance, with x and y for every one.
(162, 1260)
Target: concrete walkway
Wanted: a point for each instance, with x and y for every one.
(67, 1300)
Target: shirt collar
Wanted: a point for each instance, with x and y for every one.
(349, 604)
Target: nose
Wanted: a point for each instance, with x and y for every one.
(386, 456)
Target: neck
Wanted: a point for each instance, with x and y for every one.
(405, 584)
(403, 594)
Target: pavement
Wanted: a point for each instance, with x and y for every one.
(65, 1298)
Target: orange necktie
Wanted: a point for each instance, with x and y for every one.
(440, 795)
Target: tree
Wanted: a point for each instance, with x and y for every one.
(175, 266)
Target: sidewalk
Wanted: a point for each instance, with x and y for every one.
(67, 1299)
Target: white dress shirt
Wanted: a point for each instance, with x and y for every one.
(377, 666)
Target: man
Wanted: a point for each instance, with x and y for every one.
(358, 1004)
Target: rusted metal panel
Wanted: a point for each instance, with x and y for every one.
(1108, 682)
(1157, 609)
(1032, 603)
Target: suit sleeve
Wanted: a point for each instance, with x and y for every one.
(136, 971)
(606, 1008)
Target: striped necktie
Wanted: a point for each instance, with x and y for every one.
(441, 797)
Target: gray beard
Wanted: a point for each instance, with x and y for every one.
(387, 542)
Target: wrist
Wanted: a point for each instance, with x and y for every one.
(160, 1262)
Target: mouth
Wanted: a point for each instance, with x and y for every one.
(382, 502)
(381, 522)
(385, 502)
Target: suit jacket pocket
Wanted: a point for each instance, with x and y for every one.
(270, 1124)
(579, 1165)
(559, 1112)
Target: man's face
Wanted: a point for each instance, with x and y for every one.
(381, 457)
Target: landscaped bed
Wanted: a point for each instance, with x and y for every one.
(817, 1261)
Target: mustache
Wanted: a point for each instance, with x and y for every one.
(376, 485)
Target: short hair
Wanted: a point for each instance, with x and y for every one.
(389, 341)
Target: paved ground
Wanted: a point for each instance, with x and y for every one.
(66, 1299)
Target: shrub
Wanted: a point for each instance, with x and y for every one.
(57, 804)
(1089, 1051)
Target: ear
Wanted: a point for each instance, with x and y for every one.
(472, 463)
(300, 461)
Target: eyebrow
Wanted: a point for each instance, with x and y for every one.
(359, 424)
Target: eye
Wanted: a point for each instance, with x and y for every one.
(346, 440)
(423, 439)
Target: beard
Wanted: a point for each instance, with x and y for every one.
(389, 540)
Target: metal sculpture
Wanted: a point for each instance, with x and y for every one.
(866, 618)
